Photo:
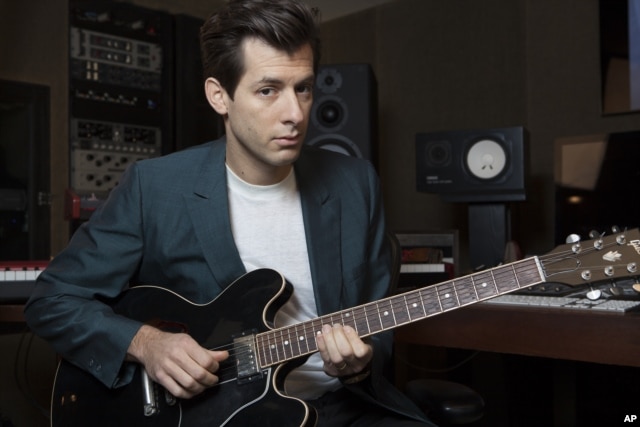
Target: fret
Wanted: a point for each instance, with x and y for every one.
(431, 301)
(466, 294)
(280, 347)
(261, 350)
(446, 296)
(374, 318)
(400, 310)
(272, 349)
(506, 279)
(299, 338)
(361, 323)
(415, 306)
(484, 285)
(312, 333)
(349, 320)
(386, 314)
(530, 274)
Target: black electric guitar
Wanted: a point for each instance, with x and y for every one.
(240, 319)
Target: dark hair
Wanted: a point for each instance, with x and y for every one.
(286, 25)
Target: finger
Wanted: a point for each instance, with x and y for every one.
(201, 368)
(334, 340)
(178, 382)
(344, 350)
(359, 348)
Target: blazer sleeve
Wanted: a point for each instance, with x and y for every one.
(69, 305)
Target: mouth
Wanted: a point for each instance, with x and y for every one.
(288, 140)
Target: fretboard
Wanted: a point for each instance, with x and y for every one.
(283, 344)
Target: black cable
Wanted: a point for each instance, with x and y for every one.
(25, 390)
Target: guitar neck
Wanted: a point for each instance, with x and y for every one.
(290, 342)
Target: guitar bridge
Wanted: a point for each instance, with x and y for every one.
(244, 348)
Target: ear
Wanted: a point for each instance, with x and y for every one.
(216, 95)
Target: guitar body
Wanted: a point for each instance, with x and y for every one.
(247, 306)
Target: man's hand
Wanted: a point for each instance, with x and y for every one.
(342, 350)
(176, 361)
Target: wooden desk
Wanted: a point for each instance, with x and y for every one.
(582, 335)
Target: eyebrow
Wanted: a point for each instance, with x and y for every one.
(273, 80)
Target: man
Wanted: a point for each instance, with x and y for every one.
(196, 220)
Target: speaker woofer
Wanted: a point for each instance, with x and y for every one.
(330, 113)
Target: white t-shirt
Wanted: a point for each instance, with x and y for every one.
(268, 229)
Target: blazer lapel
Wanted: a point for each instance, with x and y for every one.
(208, 207)
(321, 214)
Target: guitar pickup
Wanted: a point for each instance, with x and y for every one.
(244, 348)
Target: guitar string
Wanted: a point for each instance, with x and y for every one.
(276, 342)
(271, 342)
(279, 341)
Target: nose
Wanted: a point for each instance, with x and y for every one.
(295, 109)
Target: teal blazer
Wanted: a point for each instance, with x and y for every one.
(167, 224)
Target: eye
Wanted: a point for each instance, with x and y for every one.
(305, 89)
(267, 91)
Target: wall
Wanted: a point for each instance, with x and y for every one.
(452, 65)
(563, 96)
(33, 49)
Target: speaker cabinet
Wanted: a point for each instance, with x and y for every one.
(343, 116)
(472, 166)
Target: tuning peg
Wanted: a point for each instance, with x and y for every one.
(594, 294)
(615, 229)
(593, 234)
(572, 238)
(615, 290)
(636, 287)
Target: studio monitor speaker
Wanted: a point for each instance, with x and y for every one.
(344, 112)
(472, 166)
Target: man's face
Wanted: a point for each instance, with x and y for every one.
(267, 119)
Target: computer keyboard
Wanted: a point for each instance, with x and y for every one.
(574, 303)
